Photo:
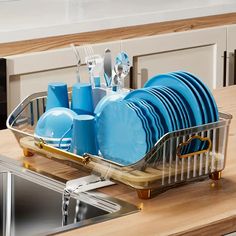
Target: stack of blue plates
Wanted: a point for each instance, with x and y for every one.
(128, 128)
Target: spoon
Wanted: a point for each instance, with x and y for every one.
(121, 68)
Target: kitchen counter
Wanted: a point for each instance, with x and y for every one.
(23, 30)
(22, 19)
(203, 208)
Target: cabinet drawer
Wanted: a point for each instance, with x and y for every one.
(199, 61)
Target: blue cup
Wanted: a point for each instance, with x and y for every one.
(82, 99)
(57, 96)
(84, 135)
(55, 127)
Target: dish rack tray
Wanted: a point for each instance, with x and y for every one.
(163, 167)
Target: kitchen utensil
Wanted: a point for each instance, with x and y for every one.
(57, 95)
(182, 106)
(120, 133)
(84, 135)
(148, 111)
(78, 64)
(183, 90)
(209, 116)
(107, 67)
(151, 126)
(145, 123)
(82, 99)
(206, 116)
(121, 68)
(181, 117)
(54, 127)
(95, 65)
(106, 100)
(159, 95)
(209, 99)
(201, 105)
(158, 104)
(158, 125)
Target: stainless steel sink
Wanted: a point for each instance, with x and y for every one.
(31, 204)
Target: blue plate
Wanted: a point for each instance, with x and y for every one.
(201, 105)
(156, 103)
(106, 100)
(180, 106)
(184, 111)
(156, 117)
(168, 105)
(209, 109)
(209, 95)
(197, 145)
(159, 131)
(145, 122)
(120, 133)
(150, 117)
(184, 92)
(178, 117)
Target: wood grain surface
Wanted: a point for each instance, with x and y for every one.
(203, 208)
(43, 44)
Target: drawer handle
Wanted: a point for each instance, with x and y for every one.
(225, 69)
(181, 145)
(234, 66)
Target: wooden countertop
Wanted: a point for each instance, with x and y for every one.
(194, 209)
(42, 44)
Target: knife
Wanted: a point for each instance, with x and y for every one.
(107, 67)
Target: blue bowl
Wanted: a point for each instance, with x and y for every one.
(55, 127)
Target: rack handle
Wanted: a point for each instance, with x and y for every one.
(179, 147)
(81, 159)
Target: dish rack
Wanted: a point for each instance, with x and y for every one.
(163, 167)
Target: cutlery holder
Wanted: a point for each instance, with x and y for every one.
(163, 167)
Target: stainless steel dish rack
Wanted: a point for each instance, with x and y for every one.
(163, 167)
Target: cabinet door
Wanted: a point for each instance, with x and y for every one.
(231, 54)
(199, 52)
(21, 86)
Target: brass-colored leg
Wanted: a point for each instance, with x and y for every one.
(27, 153)
(215, 175)
(144, 193)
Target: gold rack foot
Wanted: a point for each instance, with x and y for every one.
(215, 175)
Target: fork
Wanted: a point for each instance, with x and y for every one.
(95, 64)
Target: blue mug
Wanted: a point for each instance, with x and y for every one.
(57, 95)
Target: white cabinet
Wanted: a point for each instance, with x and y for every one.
(198, 51)
(231, 54)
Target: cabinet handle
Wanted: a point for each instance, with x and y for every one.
(131, 77)
(3, 91)
(234, 66)
(224, 68)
